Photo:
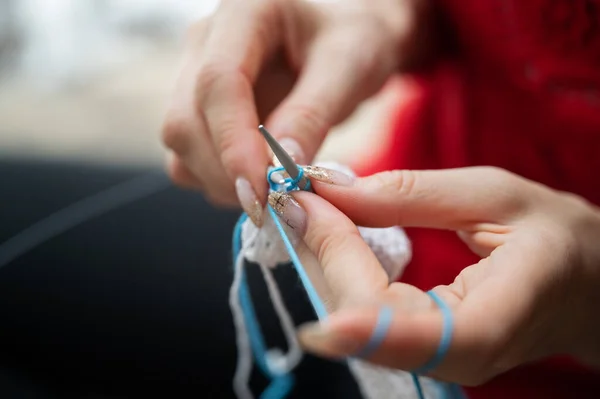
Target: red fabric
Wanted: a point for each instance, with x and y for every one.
(522, 93)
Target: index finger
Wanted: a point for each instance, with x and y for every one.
(235, 51)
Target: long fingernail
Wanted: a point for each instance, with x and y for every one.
(249, 201)
(329, 176)
(292, 147)
(318, 338)
(287, 208)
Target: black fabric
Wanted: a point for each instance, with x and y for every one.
(133, 303)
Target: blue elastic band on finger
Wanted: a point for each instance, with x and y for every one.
(384, 320)
(447, 328)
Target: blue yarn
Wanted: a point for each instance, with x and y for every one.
(384, 320)
(447, 327)
(313, 296)
(288, 184)
(418, 387)
(254, 331)
(282, 384)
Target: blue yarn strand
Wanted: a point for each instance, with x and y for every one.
(313, 296)
(288, 183)
(447, 328)
(256, 338)
(281, 384)
(386, 315)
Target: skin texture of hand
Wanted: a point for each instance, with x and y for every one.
(298, 67)
(533, 294)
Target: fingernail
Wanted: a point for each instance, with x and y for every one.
(292, 147)
(287, 208)
(328, 176)
(318, 338)
(249, 201)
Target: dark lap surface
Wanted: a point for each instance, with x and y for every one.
(131, 303)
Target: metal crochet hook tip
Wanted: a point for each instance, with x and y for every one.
(284, 158)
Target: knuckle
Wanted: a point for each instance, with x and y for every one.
(218, 72)
(500, 178)
(176, 133)
(181, 175)
(397, 182)
(510, 191)
(179, 180)
(310, 120)
(209, 75)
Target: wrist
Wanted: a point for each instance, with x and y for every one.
(586, 342)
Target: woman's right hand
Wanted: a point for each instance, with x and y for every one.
(297, 66)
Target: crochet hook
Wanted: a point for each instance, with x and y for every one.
(285, 159)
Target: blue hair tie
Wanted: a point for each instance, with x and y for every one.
(384, 321)
(446, 339)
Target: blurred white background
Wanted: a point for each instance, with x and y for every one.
(88, 80)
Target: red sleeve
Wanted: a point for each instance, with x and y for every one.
(522, 92)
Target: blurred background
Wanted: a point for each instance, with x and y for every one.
(88, 80)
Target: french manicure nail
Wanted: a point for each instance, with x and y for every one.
(249, 201)
(292, 147)
(287, 208)
(329, 176)
(319, 338)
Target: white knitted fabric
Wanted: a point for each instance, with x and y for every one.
(265, 247)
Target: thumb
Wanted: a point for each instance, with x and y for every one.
(336, 77)
(447, 199)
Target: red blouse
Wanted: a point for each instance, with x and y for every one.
(521, 92)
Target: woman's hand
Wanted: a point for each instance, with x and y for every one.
(535, 292)
(303, 66)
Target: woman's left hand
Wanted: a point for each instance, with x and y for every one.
(535, 292)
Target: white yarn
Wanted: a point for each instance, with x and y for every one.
(244, 355)
(378, 382)
(279, 361)
(265, 247)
